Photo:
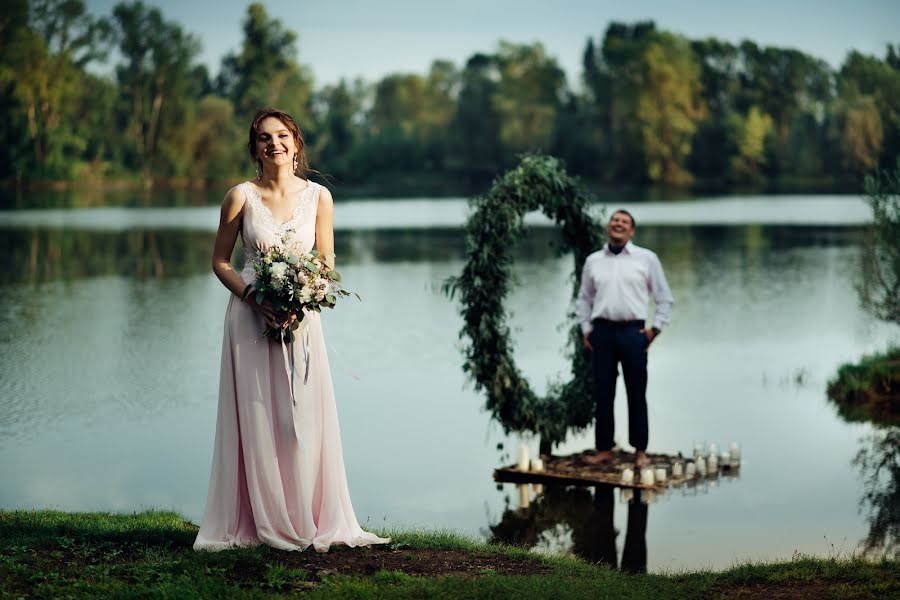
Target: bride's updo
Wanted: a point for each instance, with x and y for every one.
(288, 120)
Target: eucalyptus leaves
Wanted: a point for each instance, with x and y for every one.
(292, 281)
(496, 223)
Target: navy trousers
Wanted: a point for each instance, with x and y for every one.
(614, 344)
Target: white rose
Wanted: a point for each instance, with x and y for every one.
(278, 270)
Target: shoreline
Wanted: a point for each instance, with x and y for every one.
(54, 553)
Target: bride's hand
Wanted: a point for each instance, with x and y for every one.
(284, 320)
(268, 313)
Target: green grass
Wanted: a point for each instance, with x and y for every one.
(51, 554)
(870, 389)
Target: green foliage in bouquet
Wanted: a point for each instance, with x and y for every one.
(293, 282)
(494, 227)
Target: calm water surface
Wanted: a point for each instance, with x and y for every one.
(110, 339)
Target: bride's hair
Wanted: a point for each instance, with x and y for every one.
(288, 120)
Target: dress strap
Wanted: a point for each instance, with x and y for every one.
(314, 199)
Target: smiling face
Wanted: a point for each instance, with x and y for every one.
(275, 144)
(620, 228)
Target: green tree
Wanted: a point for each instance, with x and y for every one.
(265, 71)
(622, 68)
(156, 85)
(880, 287)
(410, 117)
(713, 145)
(475, 146)
(528, 96)
(340, 115)
(441, 91)
(669, 107)
(213, 150)
(43, 72)
(857, 131)
(878, 79)
(750, 132)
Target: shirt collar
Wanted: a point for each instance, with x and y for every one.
(625, 250)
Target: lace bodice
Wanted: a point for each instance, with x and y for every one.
(260, 230)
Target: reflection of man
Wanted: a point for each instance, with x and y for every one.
(612, 305)
(597, 542)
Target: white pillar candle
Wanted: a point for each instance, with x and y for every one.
(725, 459)
(647, 476)
(690, 470)
(524, 499)
(713, 449)
(523, 457)
(701, 467)
(628, 476)
(698, 450)
(735, 453)
(713, 463)
(537, 464)
(677, 470)
(660, 475)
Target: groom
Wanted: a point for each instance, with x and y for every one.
(612, 305)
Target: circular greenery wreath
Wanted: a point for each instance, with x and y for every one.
(495, 225)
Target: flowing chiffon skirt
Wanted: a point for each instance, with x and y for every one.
(278, 469)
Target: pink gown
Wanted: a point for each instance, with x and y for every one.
(278, 469)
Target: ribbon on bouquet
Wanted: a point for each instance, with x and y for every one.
(290, 368)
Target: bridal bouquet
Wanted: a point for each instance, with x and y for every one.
(293, 281)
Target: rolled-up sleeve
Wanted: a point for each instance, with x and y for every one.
(584, 303)
(662, 295)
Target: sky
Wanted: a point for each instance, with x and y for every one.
(370, 39)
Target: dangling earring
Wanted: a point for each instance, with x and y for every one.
(295, 163)
(258, 169)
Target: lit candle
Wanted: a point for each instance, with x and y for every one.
(523, 457)
(713, 463)
(537, 464)
(660, 474)
(701, 467)
(735, 452)
(647, 476)
(698, 450)
(524, 500)
(725, 459)
(690, 470)
(628, 476)
(676, 470)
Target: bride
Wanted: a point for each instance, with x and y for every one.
(278, 470)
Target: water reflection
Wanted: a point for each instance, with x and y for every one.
(35, 255)
(44, 255)
(581, 521)
(878, 461)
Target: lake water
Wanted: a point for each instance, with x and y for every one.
(110, 340)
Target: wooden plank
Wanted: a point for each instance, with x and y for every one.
(575, 470)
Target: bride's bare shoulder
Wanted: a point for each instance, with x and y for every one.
(234, 200)
(326, 200)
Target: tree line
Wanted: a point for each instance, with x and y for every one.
(651, 107)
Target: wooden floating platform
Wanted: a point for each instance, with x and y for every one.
(575, 470)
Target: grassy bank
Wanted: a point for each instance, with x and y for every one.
(870, 389)
(49, 554)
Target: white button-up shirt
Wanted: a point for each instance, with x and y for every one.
(618, 287)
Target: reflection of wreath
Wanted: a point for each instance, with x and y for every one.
(495, 224)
